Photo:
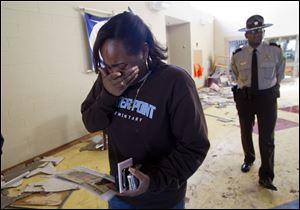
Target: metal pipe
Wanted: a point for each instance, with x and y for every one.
(84, 9)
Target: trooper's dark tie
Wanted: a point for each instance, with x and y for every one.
(254, 76)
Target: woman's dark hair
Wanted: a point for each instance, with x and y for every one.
(133, 32)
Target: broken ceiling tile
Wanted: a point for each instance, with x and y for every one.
(51, 185)
(54, 160)
(7, 200)
(13, 181)
(20, 170)
(12, 184)
(49, 199)
(79, 177)
(48, 169)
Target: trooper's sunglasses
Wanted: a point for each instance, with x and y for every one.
(256, 31)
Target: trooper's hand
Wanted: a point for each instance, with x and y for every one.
(117, 82)
(144, 182)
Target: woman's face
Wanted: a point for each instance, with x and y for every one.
(117, 59)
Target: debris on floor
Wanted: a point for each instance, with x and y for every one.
(43, 199)
(97, 143)
(221, 98)
(222, 119)
(14, 182)
(52, 159)
(98, 183)
(7, 200)
(51, 185)
(13, 178)
(21, 170)
(47, 169)
(78, 177)
(92, 146)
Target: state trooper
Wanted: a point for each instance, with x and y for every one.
(258, 69)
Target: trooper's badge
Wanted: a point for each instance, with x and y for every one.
(243, 63)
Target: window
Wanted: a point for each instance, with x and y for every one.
(288, 45)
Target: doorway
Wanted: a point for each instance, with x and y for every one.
(178, 38)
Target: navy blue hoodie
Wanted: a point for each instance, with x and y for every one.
(165, 132)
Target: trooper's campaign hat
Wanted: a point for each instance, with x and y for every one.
(255, 22)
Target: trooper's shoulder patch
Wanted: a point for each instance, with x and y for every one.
(236, 51)
(274, 44)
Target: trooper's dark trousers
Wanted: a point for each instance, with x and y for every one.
(265, 108)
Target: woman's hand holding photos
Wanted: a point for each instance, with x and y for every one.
(144, 182)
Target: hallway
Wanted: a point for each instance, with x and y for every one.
(219, 183)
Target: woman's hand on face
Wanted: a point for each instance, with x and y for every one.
(117, 82)
(144, 182)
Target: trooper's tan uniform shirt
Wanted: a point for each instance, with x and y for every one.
(270, 62)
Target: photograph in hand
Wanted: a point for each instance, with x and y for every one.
(125, 179)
